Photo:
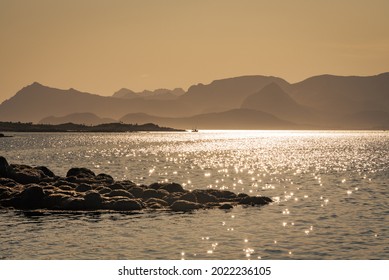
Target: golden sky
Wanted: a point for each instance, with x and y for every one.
(101, 46)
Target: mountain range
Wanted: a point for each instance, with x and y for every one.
(246, 102)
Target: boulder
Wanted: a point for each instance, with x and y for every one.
(149, 193)
(255, 200)
(126, 205)
(189, 196)
(123, 193)
(80, 172)
(93, 200)
(172, 188)
(83, 188)
(158, 201)
(226, 206)
(183, 206)
(25, 174)
(32, 197)
(5, 168)
(136, 191)
(117, 186)
(102, 177)
(47, 172)
(203, 196)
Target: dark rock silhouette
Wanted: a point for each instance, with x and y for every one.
(37, 188)
(77, 118)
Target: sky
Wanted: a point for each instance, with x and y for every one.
(101, 46)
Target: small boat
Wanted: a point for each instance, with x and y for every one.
(195, 130)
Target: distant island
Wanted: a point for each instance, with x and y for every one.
(71, 127)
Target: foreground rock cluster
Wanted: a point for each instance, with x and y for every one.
(29, 188)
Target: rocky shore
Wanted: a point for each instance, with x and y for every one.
(38, 188)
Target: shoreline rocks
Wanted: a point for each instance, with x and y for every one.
(38, 188)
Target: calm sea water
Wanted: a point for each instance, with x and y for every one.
(330, 189)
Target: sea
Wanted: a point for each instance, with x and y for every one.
(330, 192)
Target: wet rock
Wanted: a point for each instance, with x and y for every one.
(172, 188)
(93, 200)
(80, 172)
(226, 206)
(117, 186)
(183, 205)
(155, 186)
(32, 197)
(136, 192)
(102, 177)
(56, 201)
(255, 200)
(149, 193)
(7, 182)
(126, 205)
(5, 168)
(203, 196)
(171, 198)
(83, 188)
(222, 194)
(47, 172)
(103, 190)
(123, 193)
(188, 197)
(74, 203)
(25, 174)
(155, 206)
(158, 201)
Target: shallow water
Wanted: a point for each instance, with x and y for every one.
(330, 188)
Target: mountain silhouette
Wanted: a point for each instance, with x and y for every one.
(339, 96)
(226, 94)
(158, 94)
(232, 119)
(274, 100)
(326, 101)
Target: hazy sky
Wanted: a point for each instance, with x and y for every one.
(101, 46)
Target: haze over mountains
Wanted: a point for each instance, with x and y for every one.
(247, 102)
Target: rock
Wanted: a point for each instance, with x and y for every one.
(120, 193)
(171, 198)
(93, 200)
(126, 205)
(149, 193)
(136, 192)
(255, 200)
(158, 201)
(173, 187)
(155, 186)
(80, 172)
(182, 205)
(203, 196)
(226, 206)
(103, 190)
(74, 203)
(222, 194)
(47, 172)
(188, 197)
(32, 197)
(83, 188)
(117, 186)
(5, 168)
(25, 174)
(56, 201)
(102, 177)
